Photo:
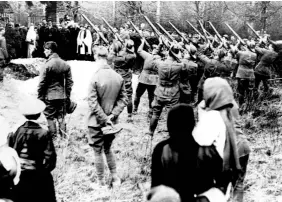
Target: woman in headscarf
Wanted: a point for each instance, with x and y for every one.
(215, 129)
(31, 39)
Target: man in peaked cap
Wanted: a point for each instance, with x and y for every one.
(37, 155)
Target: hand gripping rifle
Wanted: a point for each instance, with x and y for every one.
(137, 31)
(195, 29)
(163, 29)
(157, 32)
(238, 37)
(179, 33)
(217, 34)
(96, 30)
(112, 30)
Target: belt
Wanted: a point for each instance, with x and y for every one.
(168, 83)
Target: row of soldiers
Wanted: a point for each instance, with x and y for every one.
(188, 65)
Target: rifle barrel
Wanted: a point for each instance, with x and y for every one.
(86, 18)
(112, 30)
(178, 32)
(254, 31)
(168, 35)
(216, 32)
(136, 29)
(195, 29)
(235, 33)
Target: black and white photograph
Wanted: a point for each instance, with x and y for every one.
(140, 101)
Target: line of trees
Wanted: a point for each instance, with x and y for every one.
(266, 15)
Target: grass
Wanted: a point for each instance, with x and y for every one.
(75, 165)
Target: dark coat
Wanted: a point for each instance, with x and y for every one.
(35, 148)
(55, 79)
(123, 64)
(266, 61)
(190, 172)
(106, 96)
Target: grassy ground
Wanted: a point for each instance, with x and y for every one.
(75, 171)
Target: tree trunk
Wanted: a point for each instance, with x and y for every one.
(158, 13)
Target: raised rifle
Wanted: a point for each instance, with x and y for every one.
(112, 30)
(217, 34)
(253, 30)
(168, 35)
(195, 29)
(179, 33)
(157, 32)
(137, 31)
(206, 36)
(238, 37)
(96, 30)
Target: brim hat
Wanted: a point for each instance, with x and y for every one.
(175, 52)
(111, 130)
(31, 106)
(130, 45)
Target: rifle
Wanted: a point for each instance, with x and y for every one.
(168, 35)
(179, 33)
(195, 29)
(253, 31)
(112, 30)
(238, 37)
(96, 30)
(206, 36)
(217, 34)
(157, 32)
(136, 29)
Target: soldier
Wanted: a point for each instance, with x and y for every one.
(106, 99)
(188, 80)
(213, 68)
(167, 93)
(263, 68)
(245, 73)
(123, 63)
(148, 78)
(54, 89)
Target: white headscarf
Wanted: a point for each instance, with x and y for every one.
(31, 34)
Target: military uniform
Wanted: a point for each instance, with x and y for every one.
(213, 68)
(123, 64)
(54, 89)
(167, 92)
(148, 79)
(188, 81)
(263, 68)
(245, 73)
